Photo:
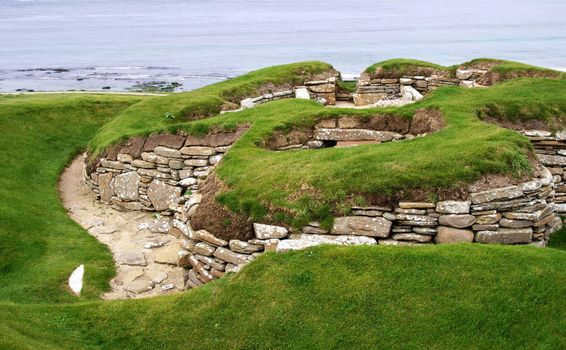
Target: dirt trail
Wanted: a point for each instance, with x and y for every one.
(140, 271)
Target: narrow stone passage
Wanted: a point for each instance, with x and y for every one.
(144, 253)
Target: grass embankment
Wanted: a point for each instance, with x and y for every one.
(506, 70)
(149, 116)
(39, 244)
(297, 186)
(435, 297)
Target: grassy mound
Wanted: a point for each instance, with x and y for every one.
(503, 70)
(464, 296)
(150, 115)
(295, 187)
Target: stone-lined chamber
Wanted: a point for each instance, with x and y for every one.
(377, 86)
(163, 173)
(323, 91)
(350, 131)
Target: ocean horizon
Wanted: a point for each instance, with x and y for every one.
(52, 45)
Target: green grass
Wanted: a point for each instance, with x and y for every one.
(149, 116)
(506, 69)
(435, 297)
(402, 66)
(39, 244)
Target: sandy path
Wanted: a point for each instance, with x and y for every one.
(141, 272)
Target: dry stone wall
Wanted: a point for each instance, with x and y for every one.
(164, 172)
(157, 173)
(323, 91)
(551, 152)
(371, 90)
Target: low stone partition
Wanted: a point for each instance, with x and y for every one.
(375, 87)
(323, 91)
(518, 214)
(349, 131)
(157, 173)
(551, 152)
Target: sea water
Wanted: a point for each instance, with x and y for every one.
(124, 44)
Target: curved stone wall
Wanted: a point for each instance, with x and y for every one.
(164, 173)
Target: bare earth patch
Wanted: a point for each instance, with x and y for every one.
(145, 260)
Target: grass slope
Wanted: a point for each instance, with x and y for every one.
(434, 297)
(39, 244)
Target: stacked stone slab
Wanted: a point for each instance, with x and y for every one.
(551, 152)
(518, 214)
(157, 173)
(323, 91)
(371, 89)
(347, 131)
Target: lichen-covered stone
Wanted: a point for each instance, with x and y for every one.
(208, 237)
(505, 236)
(125, 186)
(303, 241)
(198, 151)
(244, 247)
(453, 207)
(353, 135)
(162, 195)
(167, 152)
(361, 226)
(203, 249)
(510, 192)
(412, 237)
(231, 257)
(263, 231)
(106, 191)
